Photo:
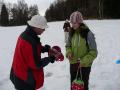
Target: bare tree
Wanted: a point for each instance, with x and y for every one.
(33, 10)
(101, 2)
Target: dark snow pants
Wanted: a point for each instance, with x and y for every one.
(24, 86)
(85, 73)
(20, 84)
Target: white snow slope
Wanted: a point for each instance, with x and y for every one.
(105, 73)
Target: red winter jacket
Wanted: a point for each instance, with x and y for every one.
(27, 63)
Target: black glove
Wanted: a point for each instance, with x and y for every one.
(45, 61)
(52, 59)
(46, 48)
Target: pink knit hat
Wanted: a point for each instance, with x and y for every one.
(76, 17)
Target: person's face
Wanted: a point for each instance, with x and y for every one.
(39, 31)
(75, 25)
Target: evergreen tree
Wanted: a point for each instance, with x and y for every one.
(4, 16)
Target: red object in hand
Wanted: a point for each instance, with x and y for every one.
(56, 51)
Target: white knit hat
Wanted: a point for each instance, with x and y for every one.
(38, 21)
(76, 17)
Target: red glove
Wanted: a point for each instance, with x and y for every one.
(56, 51)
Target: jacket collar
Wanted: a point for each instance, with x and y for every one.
(29, 30)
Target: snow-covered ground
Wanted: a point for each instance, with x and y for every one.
(105, 73)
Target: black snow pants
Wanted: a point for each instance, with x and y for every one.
(85, 73)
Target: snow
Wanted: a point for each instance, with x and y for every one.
(105, 72)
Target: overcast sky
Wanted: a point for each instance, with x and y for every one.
(42, 4)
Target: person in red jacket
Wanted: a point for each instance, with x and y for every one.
(27, 67)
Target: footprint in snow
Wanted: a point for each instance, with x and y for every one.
(48, 74)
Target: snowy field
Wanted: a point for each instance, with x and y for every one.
(105, 73)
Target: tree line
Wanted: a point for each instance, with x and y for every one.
(16, 14)
(91, 9)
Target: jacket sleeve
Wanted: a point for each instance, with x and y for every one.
(92, 51)
(32, 59)
(68, 45)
